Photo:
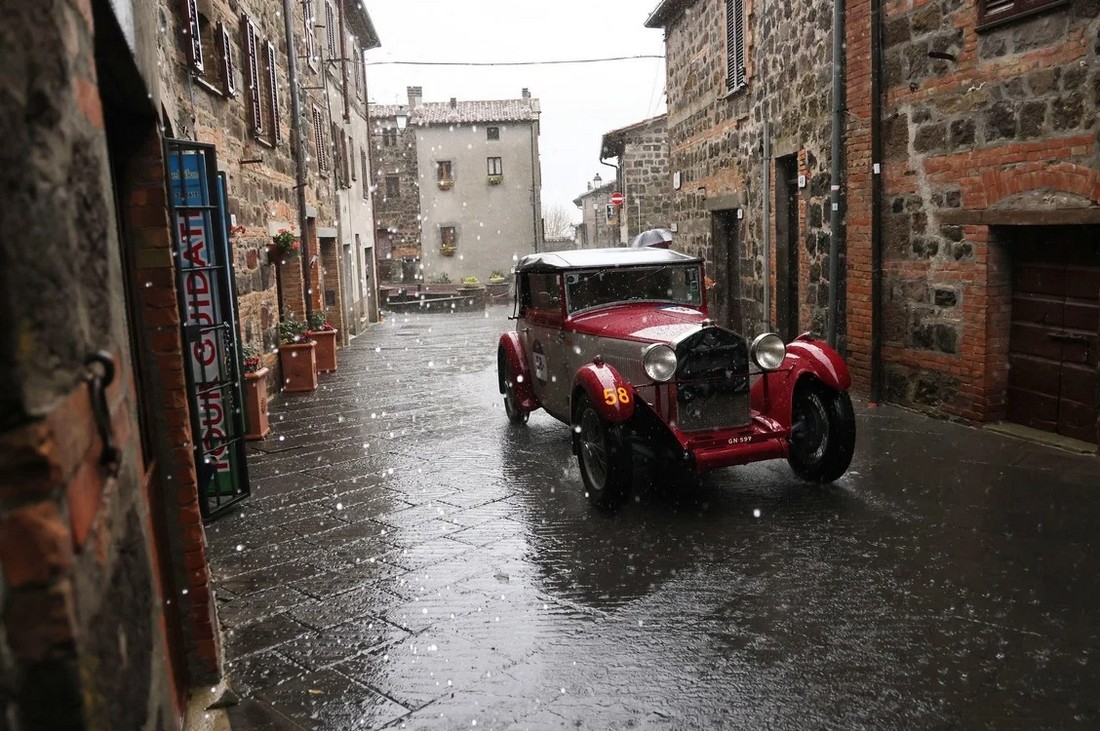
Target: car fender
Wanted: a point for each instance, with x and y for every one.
(611, 394)
(511, 348)
(773, 392)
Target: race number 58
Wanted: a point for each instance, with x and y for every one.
(611, 396)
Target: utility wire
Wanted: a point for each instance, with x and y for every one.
(508, 63)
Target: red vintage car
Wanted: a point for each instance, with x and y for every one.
(617, 343)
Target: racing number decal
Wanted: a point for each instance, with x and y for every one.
(611, 396)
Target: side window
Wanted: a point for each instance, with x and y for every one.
(542, 292)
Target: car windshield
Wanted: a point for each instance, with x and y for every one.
(679, 284)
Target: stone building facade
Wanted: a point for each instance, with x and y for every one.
(106, 615)
(989, 306)
(729, 103)
(599, 226)
(641, 152)
(396, 191)
(480, 185)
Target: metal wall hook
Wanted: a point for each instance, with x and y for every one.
(101, 373)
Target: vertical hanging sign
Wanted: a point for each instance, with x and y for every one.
(203, 322)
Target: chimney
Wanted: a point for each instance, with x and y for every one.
(416, 95)
(454, 103)
(526, 93)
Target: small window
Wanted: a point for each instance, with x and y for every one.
(448, 240)
(735, 44)
(492, 133)
(994, 12)
(393, 186)
(389, 137)
(495, 166)
(444, 174)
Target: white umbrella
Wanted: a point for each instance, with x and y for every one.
(657, 237)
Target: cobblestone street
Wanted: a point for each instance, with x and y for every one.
(409, 559)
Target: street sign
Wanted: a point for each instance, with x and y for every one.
(616, 198)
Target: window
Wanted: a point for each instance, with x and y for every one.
(272, 59)
(393, 186)
(357, 62)
(389, 137)
(319, 139)
(735, 44)
(541, 291)
(330, 29)
(492, 133)
(494, 165)
(992, 12)
(444, 174)
(310, 39)
(252, 73)
(229, 70)
(448, 239)
(193, 35)
(363, 165)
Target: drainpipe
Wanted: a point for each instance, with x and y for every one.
(876, 200)
(766, 144)
(296, 142)
(835, 168)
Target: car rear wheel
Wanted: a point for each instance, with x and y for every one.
(603, 454)
(516, 415)
(823, 432)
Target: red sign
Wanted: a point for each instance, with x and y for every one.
(617, 198)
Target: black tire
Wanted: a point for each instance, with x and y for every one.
(823, 432)
(516, 415)
(604, 456)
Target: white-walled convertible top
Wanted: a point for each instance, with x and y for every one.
(552, 261)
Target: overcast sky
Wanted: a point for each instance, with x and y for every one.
(580, 102)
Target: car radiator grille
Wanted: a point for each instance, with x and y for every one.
(718, 410)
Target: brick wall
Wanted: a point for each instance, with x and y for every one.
(1007, 122)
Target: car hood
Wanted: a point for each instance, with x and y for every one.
(647, 323)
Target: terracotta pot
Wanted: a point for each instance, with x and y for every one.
(299, 365)
(326, 349)
(255, 405)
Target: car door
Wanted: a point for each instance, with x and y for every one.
(543, 340)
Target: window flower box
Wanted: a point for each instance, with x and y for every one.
(446, 184)
(496, 179)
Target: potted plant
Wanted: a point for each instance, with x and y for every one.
(496, 179)
(497, 285)
(284, 244)
(470, 283)
(255, 394)
(448, 249)
(324, 334)
(297, 356)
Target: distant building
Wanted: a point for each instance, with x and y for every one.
(641, 150)
(396, 191)
(599, 226)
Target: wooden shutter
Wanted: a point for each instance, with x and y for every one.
(319, 139)
(366, 180)
(194, 38)
(735, 44)
(357, 61)
(330, 29)
(229, 69)
(995, 11)
(251, 54)
(273, 93)
(311, 41)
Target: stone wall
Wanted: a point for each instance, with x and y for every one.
(715, 144)
(975, 120)
(646, 183)
(398, 216)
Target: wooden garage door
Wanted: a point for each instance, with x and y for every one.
(1052, 382)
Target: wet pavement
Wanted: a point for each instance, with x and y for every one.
(409, 560)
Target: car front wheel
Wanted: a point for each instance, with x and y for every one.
(603, 454)
(823, 432)
(516, 415)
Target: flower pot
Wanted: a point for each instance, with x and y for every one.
(326, 349)
(255, 405)
(299, 365)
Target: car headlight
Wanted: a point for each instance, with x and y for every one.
(659, 361)
(768, 351)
